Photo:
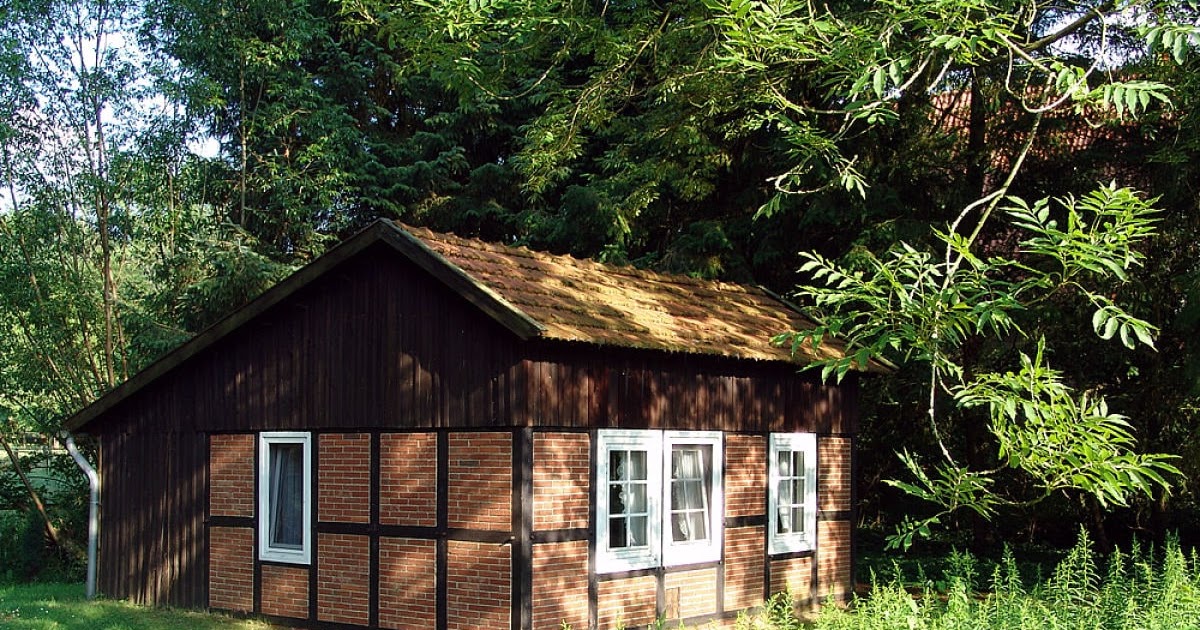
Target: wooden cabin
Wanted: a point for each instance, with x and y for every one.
(424, 431)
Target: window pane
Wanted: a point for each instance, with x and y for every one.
(798, 518)
(627, 500)
(616, 533)
(616, 499)
(797, 491)
(637, 465)
(637, 531)
(784, 465)
(627, 465)
(287, 495)
(699, 526)
(690, 488)
(624, 532)
(687, 495)
(636, 496)
(688, 526)
(784, 492)
(616, 465)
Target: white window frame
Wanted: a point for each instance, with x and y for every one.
(660, 549)
(266, 551)
(805, 540)
(649, 555)
(691, 552)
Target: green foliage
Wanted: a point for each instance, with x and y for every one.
(778, 613)
(1063, 441)
(12, 523)
(1139, 589)
(25, 550)
(33, 551)
(915, 306)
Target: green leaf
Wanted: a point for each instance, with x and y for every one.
(878, 81)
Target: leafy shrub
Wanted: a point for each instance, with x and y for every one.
(25, 552)
(12, 523)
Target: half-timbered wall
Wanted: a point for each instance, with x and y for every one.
(378, 348)
(507, 543)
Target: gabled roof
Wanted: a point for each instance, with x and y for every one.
(543, 296)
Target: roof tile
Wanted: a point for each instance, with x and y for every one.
(591, 302)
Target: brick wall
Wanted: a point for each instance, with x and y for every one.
(628, 601)
(231, 475)
(690, 593)
(343, 577)
(792, 574)
(231, 568)
(560, 480)
(285, 591)
(833, 480)
(407, 583)
(743, 567)
(408, 479)
(480, 492)
(478, 585)
(560, 584)
(480, 497)
(745, 475)
(344, 481)
(833, 558)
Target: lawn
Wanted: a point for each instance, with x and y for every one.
(60, 606)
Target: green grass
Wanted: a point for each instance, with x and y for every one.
(61, 606)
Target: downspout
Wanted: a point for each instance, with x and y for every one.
(93, 510)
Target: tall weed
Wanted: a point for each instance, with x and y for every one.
(1142, 589)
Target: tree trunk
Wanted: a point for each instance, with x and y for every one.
(51, 530)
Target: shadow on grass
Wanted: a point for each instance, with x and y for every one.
(63, 606)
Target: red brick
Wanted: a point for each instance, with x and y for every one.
(344, 478)
(793, 575)
(745, 475)
(478, 586)
(343, 578)
(690, 593)
(231, 487)
(743, 567)
(833, 558)
(561, 469)
(626, 602)
(407, 583)
(408, 479)
(833, 480)
(231, 568)
(480, 492)
(285, 591)
(560, 584)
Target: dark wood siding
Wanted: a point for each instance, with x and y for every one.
(376, 343)
(153, 537)
(587, 387)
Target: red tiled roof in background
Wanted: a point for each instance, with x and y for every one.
(586, 301)
(1063, 132)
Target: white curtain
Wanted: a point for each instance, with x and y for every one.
(689, 493)
(287, 495)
